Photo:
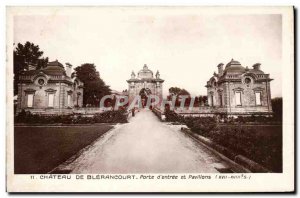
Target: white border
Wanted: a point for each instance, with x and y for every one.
(288, 119)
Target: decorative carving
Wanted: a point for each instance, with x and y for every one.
(29, 91)
(50, 90)
(157, 74)
(132, 75)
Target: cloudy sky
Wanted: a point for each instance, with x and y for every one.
(185, 46)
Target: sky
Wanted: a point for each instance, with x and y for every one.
(184, 46)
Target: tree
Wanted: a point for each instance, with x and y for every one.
(94, 87)
(174, 91)
(196, 103)
(177, 92)
(277, 108)
(184, 92)
(25, 55)
(203, 100)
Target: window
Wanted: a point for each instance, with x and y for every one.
(50, 99)
(258, 98)
(212, 100)
(238, 100)
(69, 100)
(41, 81)
(30, 100)
(221, 100)
(247, 80)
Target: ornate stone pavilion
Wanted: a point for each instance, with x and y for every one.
(240, 90)
(144, 84)
(50, 90)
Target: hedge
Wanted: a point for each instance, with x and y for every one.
(260, 143)
(118, 116)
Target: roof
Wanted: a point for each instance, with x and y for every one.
(234, 67)
(53, 68)
(145, 72)
(256, 71)
(55, 63)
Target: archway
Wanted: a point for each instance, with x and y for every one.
(144, 93)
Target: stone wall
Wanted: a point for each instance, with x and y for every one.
(227, 91)
(40, 98)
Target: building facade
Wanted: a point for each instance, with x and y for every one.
(239, 90)
(145, 84)
(50, 90)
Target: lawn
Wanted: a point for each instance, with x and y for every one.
(40, 149)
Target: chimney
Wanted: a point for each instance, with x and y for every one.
(256, 66)
(68, 69)
(220, 69)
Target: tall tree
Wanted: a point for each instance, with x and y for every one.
(94, 87)
(277, 108)
(177, 92)
(174, 91)
(203, 100)
(25, 55)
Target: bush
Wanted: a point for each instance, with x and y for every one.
(262, 144)
(111, 117)
(171, 116)
(201, 125)
(106, 117)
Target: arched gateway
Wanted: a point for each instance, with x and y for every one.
(144, 85)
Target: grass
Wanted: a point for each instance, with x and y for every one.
(38, 150)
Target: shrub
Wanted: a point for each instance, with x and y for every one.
(201, 125)
(264, 147)
(111, 117)
(171, 116)
(106, 117)
(262, 144)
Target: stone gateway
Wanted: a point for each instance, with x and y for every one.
(144, 85)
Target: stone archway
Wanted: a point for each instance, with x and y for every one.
(144, 93)
(145, 80)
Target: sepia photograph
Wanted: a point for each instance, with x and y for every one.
(103, 96)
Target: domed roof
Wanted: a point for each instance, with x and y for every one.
(145, 72)
(234, 67)
(54, 68)
(256, 71)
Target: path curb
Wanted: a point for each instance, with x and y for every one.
(237, 158)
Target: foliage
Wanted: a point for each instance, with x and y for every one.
(111, 117)
(106, 117)
(94, 87)
(178, 93)
(261, 143)
(253, 119)
(203, 100)
(25, 55)
(263, 146)
(171, 116)
(277, 108)
(202, 125)
(174, 91)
